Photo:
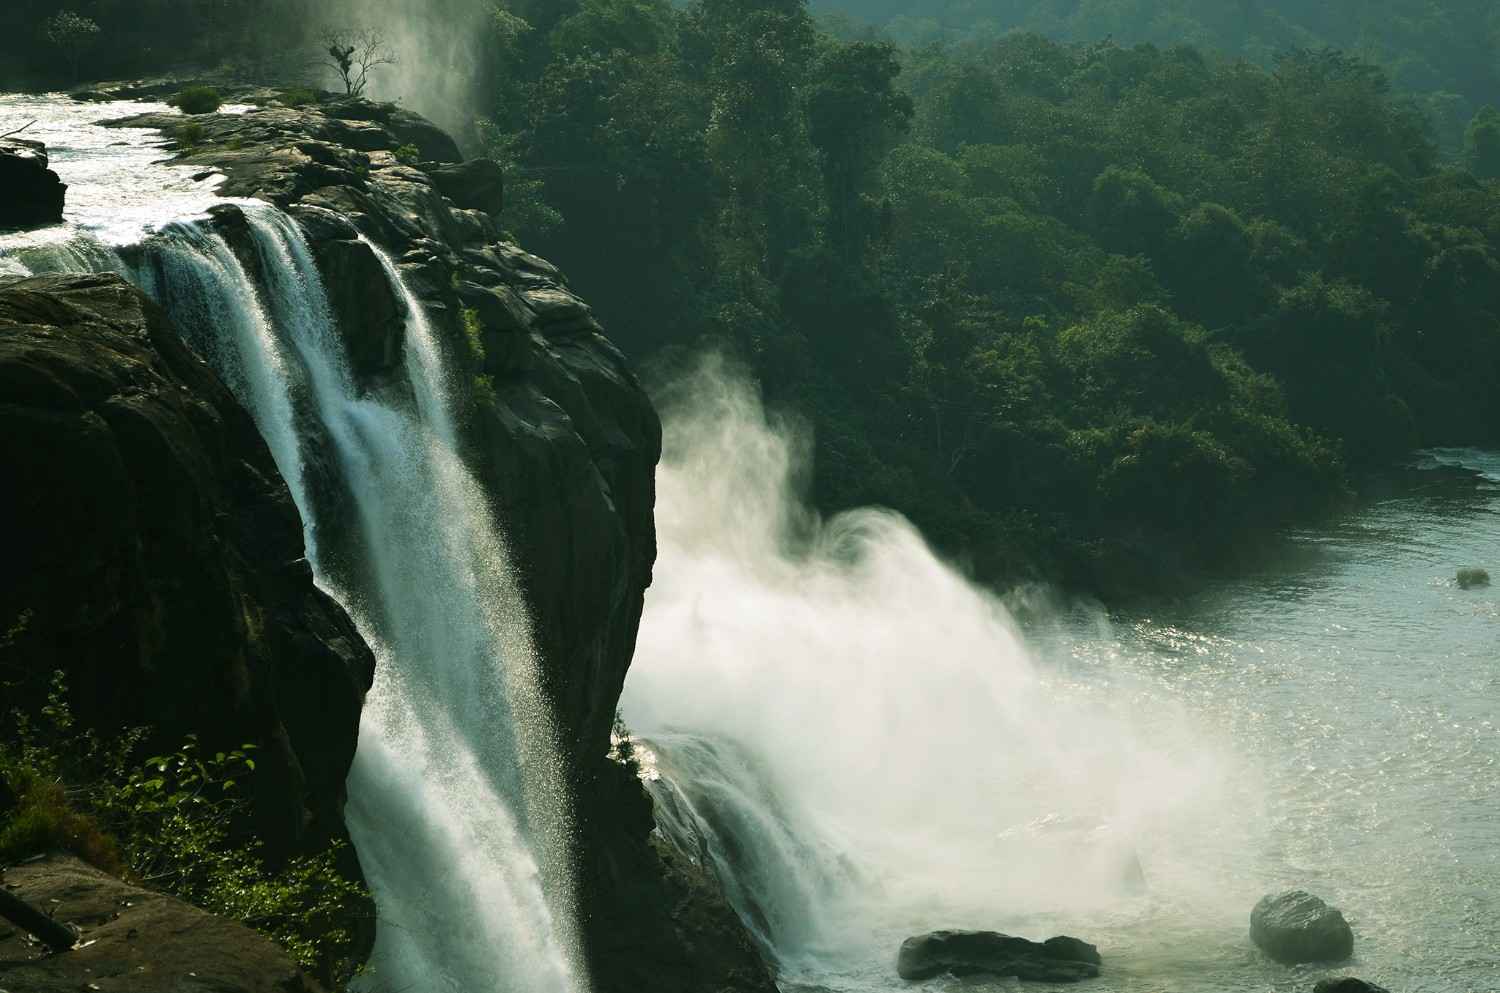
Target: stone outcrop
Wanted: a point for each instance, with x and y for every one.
(155, 555)
(137, 941)
(33, 193)
(1295, 927)
(965, 953)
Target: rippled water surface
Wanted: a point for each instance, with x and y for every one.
(1356, 690)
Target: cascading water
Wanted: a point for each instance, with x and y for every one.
(459, 821)
(440, 812)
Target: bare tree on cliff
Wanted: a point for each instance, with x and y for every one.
(354, 54)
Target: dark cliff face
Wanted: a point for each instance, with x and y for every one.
(154, 554)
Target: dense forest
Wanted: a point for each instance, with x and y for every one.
(1447, 55)
(1086, 307)
(1092, 310)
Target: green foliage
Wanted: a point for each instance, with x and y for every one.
(1082, 309)
(188, 136)
(197, 100)
(73, 35)
(1482, 144)
(299, 96)
(174, 822)
(474, 335)
(408, 155)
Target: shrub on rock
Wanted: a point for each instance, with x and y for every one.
(198, 100)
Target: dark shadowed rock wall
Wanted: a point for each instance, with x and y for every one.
(154, 555)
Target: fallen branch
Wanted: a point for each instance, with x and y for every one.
(58, 937)
(18, 130)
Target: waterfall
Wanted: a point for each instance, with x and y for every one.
(454, 806)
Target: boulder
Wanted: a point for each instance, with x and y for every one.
(962, 953)
(478, 184)
(1347, 984)
(1296, 926)
(136, 941)
(1468, 579)
(31, 194)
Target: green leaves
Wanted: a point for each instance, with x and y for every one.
(178, 822)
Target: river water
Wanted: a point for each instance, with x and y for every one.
(865, 746)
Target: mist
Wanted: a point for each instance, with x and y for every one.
(923, 767)
(440, 50)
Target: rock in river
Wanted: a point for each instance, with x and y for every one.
(1347, 984)
(962, 953)
(1470, 578)
(1296, 926)
(30, 193)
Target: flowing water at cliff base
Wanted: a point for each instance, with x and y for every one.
(864, 746)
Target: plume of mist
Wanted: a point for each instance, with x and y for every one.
(441, 50)
(920, 754)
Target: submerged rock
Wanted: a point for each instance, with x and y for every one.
(1347, 984)
(1056, 960)
(1470, 578)
(1296, 926)
(31, 194)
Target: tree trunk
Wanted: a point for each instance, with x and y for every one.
(56, 936)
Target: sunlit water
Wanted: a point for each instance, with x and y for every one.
(864, 746)
(120, 187)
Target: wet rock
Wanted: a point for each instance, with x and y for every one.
(158, 557)
(31, 194)
(430, 141)
(963, 953)
(477, 183)
(371, 320)
(136, 941)
(1295, 926)
(1468, 579)
(1347, 985)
